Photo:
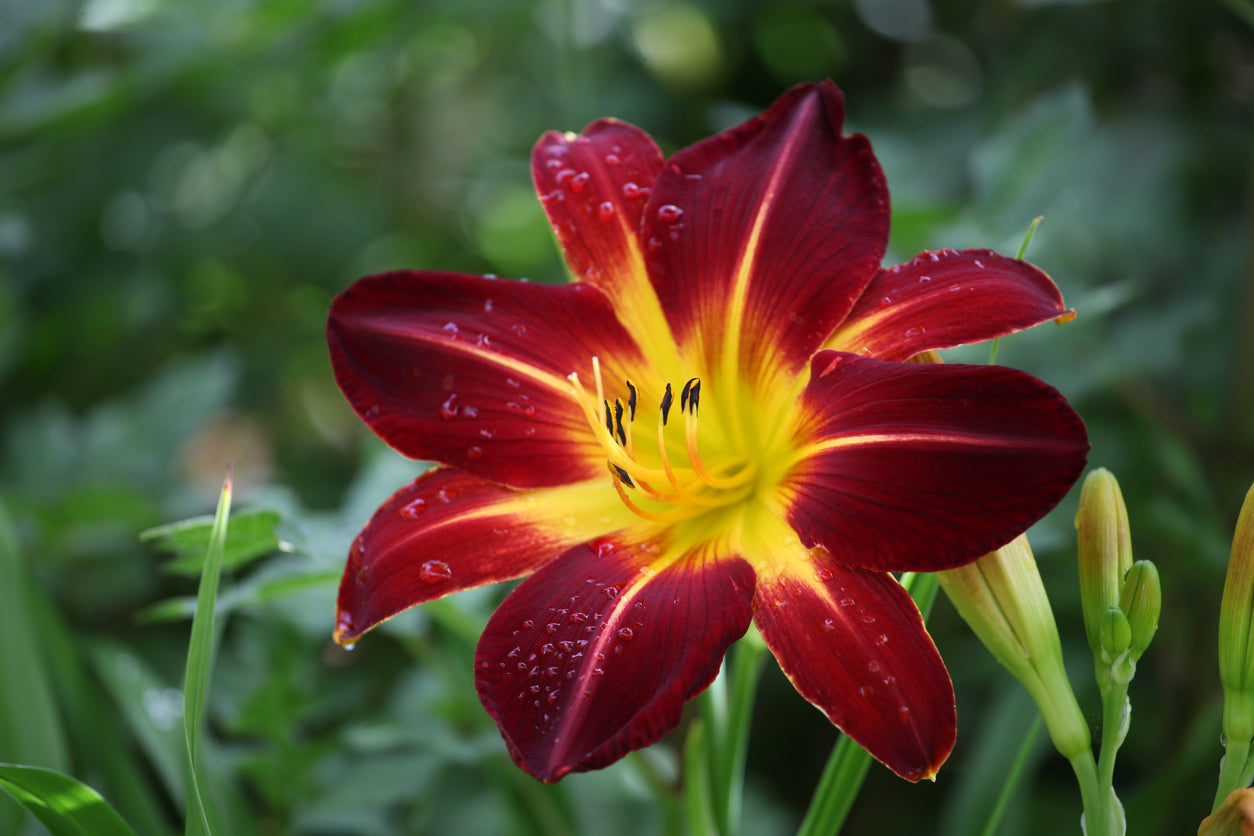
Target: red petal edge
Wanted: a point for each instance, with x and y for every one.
(928, 467)
(947, 298)
(590, 658)
(853, 644)
(444, 532)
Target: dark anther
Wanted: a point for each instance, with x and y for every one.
(609, 420)
(621, 474)
(690, 391)
(667, 400)
(631, 401)
(618, 422)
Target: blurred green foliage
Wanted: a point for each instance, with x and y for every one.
(185, 186)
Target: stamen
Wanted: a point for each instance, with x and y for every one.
(631, 401)
(618, 422)
(609, 421)
(623, 476)
(683, 396)
(667, 400)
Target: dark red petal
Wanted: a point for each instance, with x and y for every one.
(593, 188)
(910, 467)
(947, 298)
(471, 371)
(447, 531)
(591, 657)
(764, 235)
(854, 644)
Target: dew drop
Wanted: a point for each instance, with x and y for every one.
(611, 591)
(626, 634)
(474, 452)
(605, 548)
(451, 329)
(434, 571)
(530, 503)
(349, 646)
(655, 244)
(553, 165)
(916, 332)
(885, 301)
(446, 495)
(866, 690)
(579, 617)
(669, 213)
(605, 211)
(565, 175)
(598, 672)
(829, 624)
(823, 573)
(979, 264)
(551, 627)
(487, 306)
(569, 520)
(903, 715)
(925, 279)
(579, 182)
(528, 624)
(612, 159)
(845, 602)
(449, 409)
(414, 509)
(631, 191)
(881, 640)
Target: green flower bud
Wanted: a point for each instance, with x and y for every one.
(1002, 599)
(1116, 634)
(1236, 667)
(1141, 600)
(1105, 550)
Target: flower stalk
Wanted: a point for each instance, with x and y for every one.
(1236, 657)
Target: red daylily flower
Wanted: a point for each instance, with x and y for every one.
(709, 427)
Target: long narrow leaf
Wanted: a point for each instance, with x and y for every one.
(62, 804)
(199, 660)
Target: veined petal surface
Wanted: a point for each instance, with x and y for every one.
(448, 530)
(472, 372)
(853, 643)
(915, 467)
(595, 654)
(946, 298)
(759, 239)
(594, 188)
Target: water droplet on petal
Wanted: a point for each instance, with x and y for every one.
(823, 573)
(605, 211)
(925, 279)
(579, 617)
(612, 159)
(474, 452)
(579, 182)
(434, 571)
(564, 176)
(626, 634)
(449, 409)
(451, 329)
(885, 301)
(631, 191)
(669, 213)
(881, 640)
(415, 509)
(916, 332)
(903, 715)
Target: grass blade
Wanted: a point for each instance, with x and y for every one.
(199, 661)
(62, 804)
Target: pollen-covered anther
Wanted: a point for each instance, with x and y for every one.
(672, 481)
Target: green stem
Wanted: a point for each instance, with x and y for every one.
(1114, 729)
(697, 781)
(1012, 781)
(1236, 756)
(749, 656)
(1103, 814)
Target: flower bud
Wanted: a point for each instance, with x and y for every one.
(1002, 599)
(1236, 668)
(1141, 600)
(1105, 550)
(1233, 817)
(1116, 634)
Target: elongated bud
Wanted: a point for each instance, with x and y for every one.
(1236, 668)
(1116, 634)
(1002, 598)
(1105, 550)
(1141, 601)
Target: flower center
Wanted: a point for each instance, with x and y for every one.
(664, 477)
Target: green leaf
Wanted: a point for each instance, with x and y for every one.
(251, 536)
(199, 660)
(64, 806)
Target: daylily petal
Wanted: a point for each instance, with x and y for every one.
(910, 467)
(595, 654)
(760, 239)
(853, 644)
(947, 298)
(594, 187)
(448, 530)
(472, 372)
